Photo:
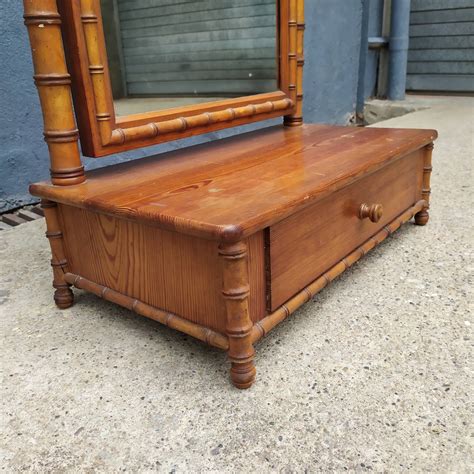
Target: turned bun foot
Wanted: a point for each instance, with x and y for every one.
(243, 375)
(422, 217)
(64, 297)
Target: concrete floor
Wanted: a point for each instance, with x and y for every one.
(373, 374)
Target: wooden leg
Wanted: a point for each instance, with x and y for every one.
(238, 323)
(63, 296)
(422, 217)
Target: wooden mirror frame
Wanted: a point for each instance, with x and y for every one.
(73, 29)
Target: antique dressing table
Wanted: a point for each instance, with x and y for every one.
(224, 240)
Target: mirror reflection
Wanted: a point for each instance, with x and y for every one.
(168, 53)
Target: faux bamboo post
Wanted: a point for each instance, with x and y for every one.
(171, 320)
(90, 17)
(153, 129)
(238, 324)
(422, 217)
(54, 88)
(63, 296)
(296, 61)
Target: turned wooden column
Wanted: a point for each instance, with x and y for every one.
(296, 28)
(422, 217)
(63, 296)
(92, 26)
(238, 323)
(54, 88)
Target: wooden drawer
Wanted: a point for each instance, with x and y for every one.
(308, 243)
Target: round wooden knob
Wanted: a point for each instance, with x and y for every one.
(372, 211)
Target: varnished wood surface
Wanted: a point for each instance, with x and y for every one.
(236, 292)
(423, 216)
(53, 82)
(306, 244)
(167, 270)
(102, 133)
(164, 317)
(63, 296)
(231, 188)
(203, 238)
(264, 326)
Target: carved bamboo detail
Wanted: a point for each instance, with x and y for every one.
(242, 334)
(111, 136)
(300, 61)
(121, 136)
(93, 34)
(296, 61)
(423, 216)
(238, 323)
(54, 89)
(292, 53)
(262, 327)
(168, 319)
(63, 295)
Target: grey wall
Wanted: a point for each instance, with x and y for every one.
(332, 46)
(332, 54)
(23, 156)
(441, 55)
(375, 29)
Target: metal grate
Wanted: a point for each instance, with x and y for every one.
(20, 216)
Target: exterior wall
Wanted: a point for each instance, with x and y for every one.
(441, 55)
(375, 29)
(331, 75)
(332, 47)
(23, 153)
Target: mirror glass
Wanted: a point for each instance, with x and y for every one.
(171, 53)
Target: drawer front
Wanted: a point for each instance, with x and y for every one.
(308, 243)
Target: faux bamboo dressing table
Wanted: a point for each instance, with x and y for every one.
(223, 240)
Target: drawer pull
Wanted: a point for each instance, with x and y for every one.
(372, 211)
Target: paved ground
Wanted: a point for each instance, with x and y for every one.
(372, 375)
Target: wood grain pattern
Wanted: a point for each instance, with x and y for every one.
(210, 239)
(309, 242)
(235, 292)
(169, 271)
(103, 134)
(54, 88)
(263, 327)
(171, 320)
(423, 216)
(296, 28)
(96, 59)
(63, 295)
(229, 189)
(373, 212)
